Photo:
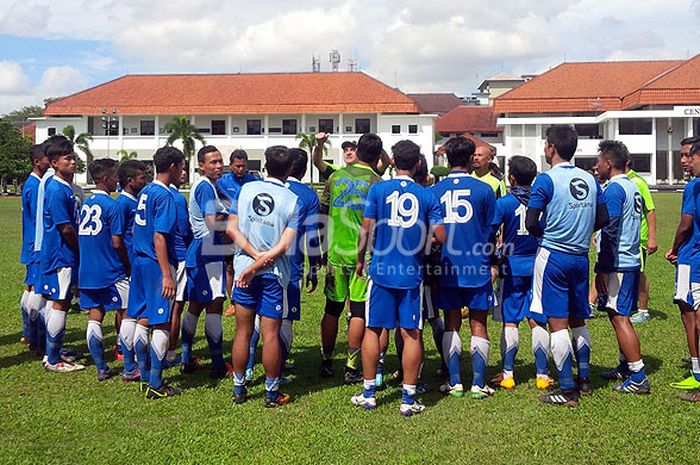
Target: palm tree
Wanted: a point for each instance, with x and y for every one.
(82, 141)
(124, 155)
(308, 142)
(180, 128)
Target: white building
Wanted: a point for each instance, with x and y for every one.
(248, 111)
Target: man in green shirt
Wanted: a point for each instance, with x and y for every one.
(647, 241)
(325, 169)
(343, 200)
(481, 170)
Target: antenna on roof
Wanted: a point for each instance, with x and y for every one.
(315, 64)
(352, 65)
(334, 59)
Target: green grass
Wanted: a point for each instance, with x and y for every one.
(55, 418)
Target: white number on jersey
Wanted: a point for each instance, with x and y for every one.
(402, 215)
(453, 200)
(91, 222)
(140, 215)
(520, 213)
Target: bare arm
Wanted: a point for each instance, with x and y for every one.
(266, 258)
(120, 248)
(651, 222)
(69, 235)
(383, 163)
(362, 243)
(161, 247)
(239, 239)
(440, 233)
(317, 155)
(683, 233)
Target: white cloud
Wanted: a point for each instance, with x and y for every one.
(24, 18)
(13, 80)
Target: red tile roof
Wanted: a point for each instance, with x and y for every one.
(271, 93)
(680, 84)
(468, 118)
(436, 103)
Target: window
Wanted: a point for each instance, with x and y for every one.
(635, 126)
(641, 162)
(361, 125)
(91, 125)
(489, 134)
(516, 130)
(218, 127)
(325, 125)
(255, 165)
(277, 130)
(51, 131)
(253, 127)
(585, 163)
(396, 129)
(413, 129)
(696, 127)
(588, 131)
(289, 126)
(148, 127)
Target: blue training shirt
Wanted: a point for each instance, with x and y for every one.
(619, 240)
(404, 212)
(309, 220)
(127, 204)
(205, 247)
(230, 185)
(60, 207)
(100, 219)
(30, 190)
(182, 237)
(265, 209)
(569, 198)
(519, 246)
(467, 207)
(689, 252)
(156, 212)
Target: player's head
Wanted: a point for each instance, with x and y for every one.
(349, 152)
(561, 140)
(40, 162)
(521, 171)
(406, 155)
(210, 162)
(169, 162)
(238, 163)
(612, 159)
(686, 161)
(459, 151)
(300, 160)
(369, 148)
(132, 176)
(421, 175)
(60, 153)
(695, 156)
(482, 158)
(278, 162)
(104, 173)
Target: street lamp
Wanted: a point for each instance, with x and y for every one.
(110, 122)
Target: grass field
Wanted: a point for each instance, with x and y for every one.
(57, 418)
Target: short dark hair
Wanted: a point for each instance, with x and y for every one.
(300, 160)
(369, 148)
(130, 169)
(523, 169)
(406, 154)
(167, 156)
(201, 155)
(348, 144)
(238, 154)
(690, 140)
(277, 161)
(99, 168)
(37, 152)
(459, 151)
(421, 174)
(564, 138)
(695, 149)
(615, 151)
(57, 146)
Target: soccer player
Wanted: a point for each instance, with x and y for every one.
(481, 169)
(206, 270)
(104, 264)
(132, 178)
(344, 200)
(683, 254)
(31, 302)
(467, 206)
(619, 262)
(263, 223)
(573, 206)
(153, 283)
(59, 250)
(403, 213)
(325, 169)
(519, 250)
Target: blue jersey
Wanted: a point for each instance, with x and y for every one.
(619, 240)
(100, 219)
(60, 207)
(230, 185)
(156, 212)
(689, 251)
(30, 190)
(127, 204)
(183, 233)
(309, 219)
(404, 212)
(206, 247)
(467, 207)
(39, 226)
(265, 209)
(569, 198)
(519, 246)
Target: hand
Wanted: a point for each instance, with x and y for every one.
(311, 280)
(265, 260)
(360, 270)
(321, 138)
(494, 274)
(652, 246)
(671, 256)
(245, 278)
(601, 283)
(168, 287)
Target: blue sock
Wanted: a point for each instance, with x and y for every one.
(126, 339)
(272, 387)
(582, 345)
(408, 394)
(94, 343)
(637, 373)
(189, 328)
(480, 356)
(41, 331)
(563, 358)
(141, 348)
(159, 348)
(452, 345)
(511, 341)
(251, 348)
(25, 316)
(239, 383)
(213, 330)
(438, 327)
(369, 388)
(380, 365)
(55, 330)
(286, 338)
(540, 349)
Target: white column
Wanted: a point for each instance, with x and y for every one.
(156, 131)
(120, 132)
(653, 153)
(669, 157)
(229, 128)
(266, 132)
(341, 128)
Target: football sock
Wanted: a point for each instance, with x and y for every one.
(126, 337)
(34, 304)
(254, 338)
(540, 349)
(55, 330)
(238, 383)
(171, 356)
(369, 388)
(353, 358)
(695, 367)
(41, 327)
(189, 328)
(562, 353)
(438, 327)
(452, 346)
(25, 315)
(380, 364)
(479, 348)
(502, 343)
(286, 339)
(408, 394)
(272, 386)
(93, 335)
(141, 350)
(213, 330)
(159, 346)
(582, 345)
(512, 344)
(643, 310)
(637, 368)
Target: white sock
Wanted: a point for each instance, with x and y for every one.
(159, 342)
(189, 324)
(581, 336)
(23, 301)
(695, 364)
(55, 322)
(126, 333)
(171, 356)
(140, 334)
(212, 325)
(643, 310)
(561, 347)
(287, 335)
(635, 366)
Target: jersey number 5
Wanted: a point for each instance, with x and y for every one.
(140, 216)
(458, 209)
(91, 222)
(403, 215)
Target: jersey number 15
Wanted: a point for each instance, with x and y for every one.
(458, 209)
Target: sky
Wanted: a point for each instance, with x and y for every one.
(52, 48)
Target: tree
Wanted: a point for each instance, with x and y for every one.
(82, 141)
(19, 117)
(14, 154)
(124, 155)
(308, 142)
(180, 128)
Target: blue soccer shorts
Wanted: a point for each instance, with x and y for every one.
(431, 302)
(515, 300)
(207, 282)
(30, 278)
(560, 285)
(264, 295)
(293, 310)
(146, 292)
(477, 299)
(388, 306)
(114, 297)
(623, 292)
(181, 283)
(58, 284)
